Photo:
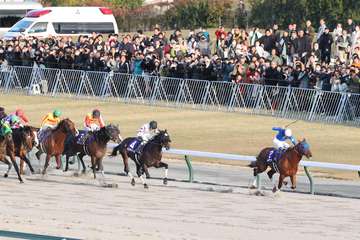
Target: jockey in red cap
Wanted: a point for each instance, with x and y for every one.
(20, 113)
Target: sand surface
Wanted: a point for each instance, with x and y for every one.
(64, 205)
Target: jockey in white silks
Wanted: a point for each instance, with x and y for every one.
(145, 133)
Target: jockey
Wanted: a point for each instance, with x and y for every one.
(2, 113)
(145, 133)
(23, 119)
(12, 121)
(280, 142)
(280, 138)
(51, 120)
(5, 129)
(93, 121)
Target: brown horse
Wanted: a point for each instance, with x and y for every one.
(24, 141)
(286, 166)
(94, 146)
(7, 148)
(150, 157)
(54, 140)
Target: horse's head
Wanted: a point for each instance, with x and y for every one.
(304, 148)
(163, 138)
(29, 137)
(114, 133)
(68, 127)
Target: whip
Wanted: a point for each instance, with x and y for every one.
(291, 123)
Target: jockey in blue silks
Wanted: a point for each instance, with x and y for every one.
(280, 140)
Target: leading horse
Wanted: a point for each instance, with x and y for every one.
(53, 141)
(151, 155)
(94, 146)
(286, 166)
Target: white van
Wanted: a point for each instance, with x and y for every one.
(65, 21)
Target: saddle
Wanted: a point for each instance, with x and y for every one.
(82, 137)
(132, 147)
(274, 157)
(44, 134)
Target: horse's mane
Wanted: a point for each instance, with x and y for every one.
(59, 125)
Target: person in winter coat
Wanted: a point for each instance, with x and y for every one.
(325, 42)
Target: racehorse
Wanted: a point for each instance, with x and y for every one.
(286, 166)
(53, 140)
(24, 141)
(7, 148)
(150, 157)
(94, 145)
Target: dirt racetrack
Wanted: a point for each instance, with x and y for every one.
(63, 205)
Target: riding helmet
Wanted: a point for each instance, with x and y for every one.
(153, 125)
(57, 113)
(288, 132)
(96, 113)
(19, 112)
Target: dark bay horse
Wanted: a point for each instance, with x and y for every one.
(150, 157)
(7, 148)
(287, 165)
(54, 140)
(94, 146)
(24, 141)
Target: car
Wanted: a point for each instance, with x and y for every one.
(64, 21)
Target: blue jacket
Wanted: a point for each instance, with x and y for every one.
(281, 135)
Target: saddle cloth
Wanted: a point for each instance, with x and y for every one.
(81, 137)
(43, 134)
(133, 145)
(274, 155)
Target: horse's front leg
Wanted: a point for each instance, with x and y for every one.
(24, 158)
(140, 172)
(47, 159)
(293, 181)
(166, 166)
(93, 165)
(58, 161)
(12, 158)
(147, 174)
(7, 162)
(281, 179)
(80, 156)
(67, 163)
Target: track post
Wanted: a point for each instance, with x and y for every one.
(188, 163)
(310, 180)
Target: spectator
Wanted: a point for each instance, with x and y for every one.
(321, 29)
(325, 42)
(309, 31)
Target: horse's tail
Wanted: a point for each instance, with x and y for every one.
(252, 164)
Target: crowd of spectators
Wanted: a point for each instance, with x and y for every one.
(300, 57)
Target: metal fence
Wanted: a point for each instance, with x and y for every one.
(284, 102)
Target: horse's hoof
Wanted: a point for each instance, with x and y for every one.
(148, 176)
(274, 190)
(146, 186)
(83, 171)
(21, 181)
(285, 183)
(6, 175)
(293, 188)
(165, 181)
(133, 182)
(58, 167)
